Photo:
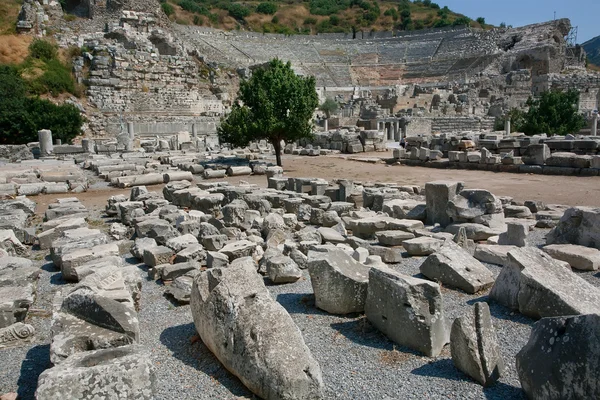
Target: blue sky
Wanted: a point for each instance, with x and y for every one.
(583, 13)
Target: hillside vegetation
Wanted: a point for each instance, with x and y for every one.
(316, 16)
(592, 48)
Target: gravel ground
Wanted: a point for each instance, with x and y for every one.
(356, 360)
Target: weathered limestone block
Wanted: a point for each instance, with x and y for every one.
(71, 261)
(407, 310)
(474, 231)
(141, 244)
(339, 282)
(126, 372)
(214, 259)
(422, 246)
(578, 225)
(578, 257)
(181, 242)
(158, 255)
(181, 287)
(234, 213)
(192, 252)
(252, 335)
(454, 266)
(492, 254)
(178, 176)
(283, 269)
(437, 196)
(474, 346)
(15, 302)
(405, 209)
(561, 359)
(241, 248)
(539, 286)
(11, 244)
(367, 227)
(16, 334)
(515, 235)
(511, 211)
(393, 238)
(472, 203)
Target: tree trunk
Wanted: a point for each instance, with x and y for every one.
(277, 146)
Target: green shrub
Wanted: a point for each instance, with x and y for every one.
(481, 21)
(21, 117)
(42, 50)
(275, 19)
(56, 79)
(310, 21)
(198, 20)
(268, 8)
(328, 7)
(238, 11)
(167, 9)
(462, 21)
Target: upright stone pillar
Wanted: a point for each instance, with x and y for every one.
(88, 146)
(507, 126)
(595, 123)
(45, 139)
(131, 134)
(326, 124)
(346, 188)
(57, 142)
(194, 131)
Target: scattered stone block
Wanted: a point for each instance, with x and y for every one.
(282, 269)
(339, 282)
(422, 246)
(538, 286)
(455, 267)
(158, 255)
(126, 372)
(474, 346)
(561, 358)
(254, 337)
(407, 310)
(578, 257)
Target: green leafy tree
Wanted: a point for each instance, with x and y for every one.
(554, 112)
(329, 107)
(275, 104)
(481, 21)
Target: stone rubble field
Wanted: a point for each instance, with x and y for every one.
(308, 289)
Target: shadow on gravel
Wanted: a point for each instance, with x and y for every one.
(57, 279)
(197, 355)
(299, 303)
(361, 332)
(50, 267)
(443, 368)
(37, 360)
(501, 391)
(501, 312)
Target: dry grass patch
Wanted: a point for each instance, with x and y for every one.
(393, 357)
(14, 48)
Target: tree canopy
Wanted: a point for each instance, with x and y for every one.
(554, 112)
(275, 104)
(329, 107)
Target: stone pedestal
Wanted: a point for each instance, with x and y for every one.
(88, 146)
(595, 124)
(45, 139)
(507, 126)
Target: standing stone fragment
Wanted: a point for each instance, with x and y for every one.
(16, 334)
(561, 360)
(339, 282)
(252, 335)
(407, 310)
(474, 346)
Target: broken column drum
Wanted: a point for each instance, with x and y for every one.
(45, 139)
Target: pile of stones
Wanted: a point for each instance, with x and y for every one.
(217, 246)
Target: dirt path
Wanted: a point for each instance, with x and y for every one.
(550, 189)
